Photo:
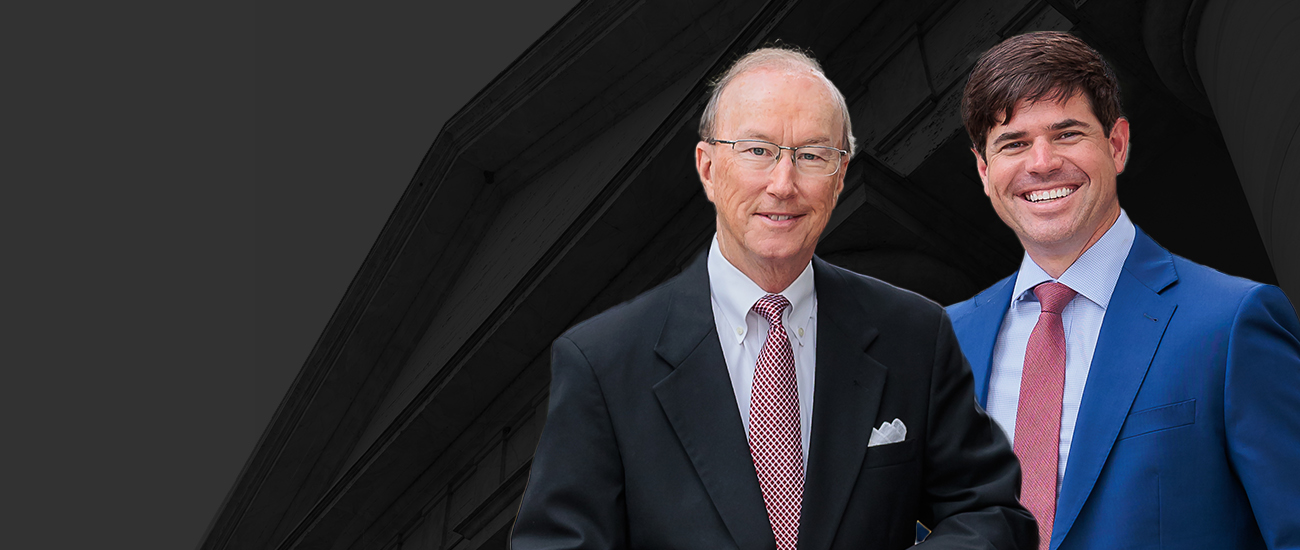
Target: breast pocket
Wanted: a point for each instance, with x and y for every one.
(892, 453)
(1159, 418)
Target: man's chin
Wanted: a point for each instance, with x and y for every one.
(1045, 236)
(782, 254)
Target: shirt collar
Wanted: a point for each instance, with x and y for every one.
(1096, 271)
(735, 294)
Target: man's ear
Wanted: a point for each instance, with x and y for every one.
(982, 167)
(1119, 136)
(839, 178)
(704, 165)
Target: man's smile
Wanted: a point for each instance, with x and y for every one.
(1048, 195)
(779, 217)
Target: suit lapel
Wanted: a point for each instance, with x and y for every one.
(848, 392)
(1131, 331)
(699, 402)
(980, 330)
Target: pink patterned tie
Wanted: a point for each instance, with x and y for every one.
(1038, 417)
(774, 438)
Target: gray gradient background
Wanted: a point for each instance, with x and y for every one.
(185, 194)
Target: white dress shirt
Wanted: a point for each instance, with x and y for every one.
(1093, 277)
(742, 332)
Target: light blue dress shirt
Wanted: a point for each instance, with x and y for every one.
(1093, 277)
(741, 332)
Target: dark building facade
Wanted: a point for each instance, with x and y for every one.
(567, 186)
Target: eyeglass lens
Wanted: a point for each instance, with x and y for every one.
(812, 160)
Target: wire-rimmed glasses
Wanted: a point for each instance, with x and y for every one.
(809, 160)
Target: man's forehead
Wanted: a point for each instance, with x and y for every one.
(804, 88)
(1053, 101)
(766, 81)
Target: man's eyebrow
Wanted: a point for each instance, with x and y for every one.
(1008, 136)
(1068, 123)
(1056, 126)
(750, 134)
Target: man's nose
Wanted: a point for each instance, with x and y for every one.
(1044, 157)
(781, 183)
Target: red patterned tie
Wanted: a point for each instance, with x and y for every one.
(1038, 417)
(774, 439)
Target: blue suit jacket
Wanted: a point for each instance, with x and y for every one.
(1188, 435)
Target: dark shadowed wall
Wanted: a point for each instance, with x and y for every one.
(185, 194)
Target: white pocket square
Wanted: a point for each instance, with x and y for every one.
(888, 432)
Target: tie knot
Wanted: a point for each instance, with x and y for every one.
(1053, 296)
(770, 307)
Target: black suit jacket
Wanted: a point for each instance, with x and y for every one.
(644, 447)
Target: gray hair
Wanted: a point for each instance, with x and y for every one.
(780, 57)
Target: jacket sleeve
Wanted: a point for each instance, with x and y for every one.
(972, 478)
(1262, 411)
(575, 495)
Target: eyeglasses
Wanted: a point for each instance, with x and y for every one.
(809, 160)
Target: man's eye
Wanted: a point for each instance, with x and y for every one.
(757, 151)
(809, 156)
(1012, 146)
(1071, 134)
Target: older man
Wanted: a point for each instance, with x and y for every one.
(1153, 402)
(763, 398)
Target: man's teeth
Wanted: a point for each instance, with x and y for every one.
(779, 218)
(1039, 196)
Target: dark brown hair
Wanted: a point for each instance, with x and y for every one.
(1037, 66)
